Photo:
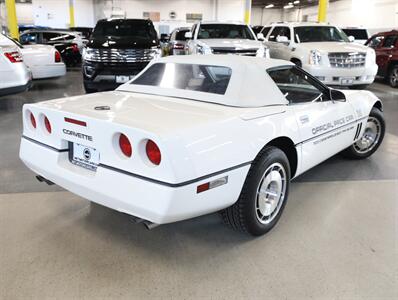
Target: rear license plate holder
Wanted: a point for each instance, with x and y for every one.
(84, 156)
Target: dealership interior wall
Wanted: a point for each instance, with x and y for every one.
(337, 237)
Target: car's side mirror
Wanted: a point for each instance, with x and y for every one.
(260, 36)
(188, 35)
(336, 95)
(282, 39)
(351, 39)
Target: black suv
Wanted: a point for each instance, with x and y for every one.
(118, 49)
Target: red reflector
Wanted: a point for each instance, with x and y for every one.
(14, 56)
(74, 121)
(33, 120)
(153, 152)
(48, 125)
(125, 145)
(57, 56)
(203, 187)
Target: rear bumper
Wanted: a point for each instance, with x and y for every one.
(146, 199)
(48, 71)
(334, 76)
(16, 89)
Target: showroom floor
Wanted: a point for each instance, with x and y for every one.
(339, 231)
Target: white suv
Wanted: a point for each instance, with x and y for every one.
(324, 51)
(224, 38)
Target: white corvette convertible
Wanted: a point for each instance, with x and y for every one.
(191, 135)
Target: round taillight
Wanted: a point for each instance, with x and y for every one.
(32, 120)
(57, 56)
(125, 145)
(153, 152)
(47, 124)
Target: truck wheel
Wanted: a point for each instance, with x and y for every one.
(393, 76)
(371, 139)
(263, 196)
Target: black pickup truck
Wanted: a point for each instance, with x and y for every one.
(118, 50)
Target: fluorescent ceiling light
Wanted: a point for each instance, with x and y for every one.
(296, 2)
(269, 6)
(288, 6)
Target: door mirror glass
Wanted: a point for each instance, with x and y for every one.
(351, 39)
(260, 36)
(337, 95)
(282, 39)
(188, 35)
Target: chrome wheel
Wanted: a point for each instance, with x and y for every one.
(370, 137)
(394, 77)
(271, 193)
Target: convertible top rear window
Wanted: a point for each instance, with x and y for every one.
(201, 78)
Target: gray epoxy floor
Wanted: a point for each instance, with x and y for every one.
(337, 239)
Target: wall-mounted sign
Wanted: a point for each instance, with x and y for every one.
(192, 17)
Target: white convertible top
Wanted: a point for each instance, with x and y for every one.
(249, 86)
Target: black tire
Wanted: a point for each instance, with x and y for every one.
(88, 90)
(243, 215)
(359, 87)
(353, 152)
(393, 76)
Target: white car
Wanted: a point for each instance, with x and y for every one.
(224, 38)
(192, 135)
(44, 61)
(324, 51)
(15, 77)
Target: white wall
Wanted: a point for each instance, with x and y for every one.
(262, 16)
(55, 13)
(375, 15)
(226, 10)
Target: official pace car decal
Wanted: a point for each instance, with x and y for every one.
(331, 126)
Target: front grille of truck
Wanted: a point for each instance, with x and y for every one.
(122, 55)
(347, 59)
(238, 51)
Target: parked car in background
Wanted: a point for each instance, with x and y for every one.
(69, 50)
(52, 37)
(386, 46)
(257, 29)
(177, 42)
(15, 77)
(224, 38)
(117, 51)
(44, 61)
(324, 51)
(197, 134)
(360, 35)
(85, 32)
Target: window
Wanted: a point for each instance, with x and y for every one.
(29, 38)
(296, 85)
(201, 78)
(279, 31)
(390, 41)
(358, 34)
(265, 31)
(224, 31)
(375, 42)
(309, 34)
(141, 29)
(49, 37)
(180, 34)
(69, 37)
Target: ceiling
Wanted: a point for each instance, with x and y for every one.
(281, 3)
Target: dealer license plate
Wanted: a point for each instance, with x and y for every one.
(347, 80)
(85, 156)
(122, 79)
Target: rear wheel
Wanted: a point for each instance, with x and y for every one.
(371, 139)
(393, 76)
(263, 195)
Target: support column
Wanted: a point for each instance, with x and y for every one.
(248, 9)
(322, 10)
(71, 13)
(12, 19)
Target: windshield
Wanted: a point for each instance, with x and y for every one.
(225, 31)
(358, 34)
(125, 28)
(308, 34)
(201, 78)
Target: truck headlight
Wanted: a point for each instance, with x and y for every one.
(203, 49)
(315, 57)
(261, 52)
(88, 53)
